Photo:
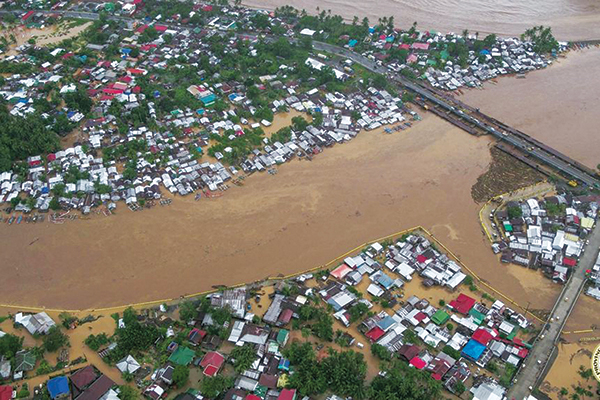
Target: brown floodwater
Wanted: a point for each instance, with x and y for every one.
(564, 372)
(559, 105)
(306, 215)
(569, 19)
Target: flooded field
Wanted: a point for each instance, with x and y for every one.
(306, 215)
(44, 36)
(559, 105)
(77, 348)
(570, 19)
(565, 370)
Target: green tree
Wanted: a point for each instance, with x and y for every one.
(345, 372)
(323, 328)
(381, 352)
(243, 357)
(94, 342)
(187, 311)
(181, 375)
(55, 339)
(212, 387)
(514, 212)
(127, 392)
(10, 345)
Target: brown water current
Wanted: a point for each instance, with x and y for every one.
(569, 19)
(559, 105)
(306, 215)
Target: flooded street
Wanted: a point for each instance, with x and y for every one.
(569, 19)
(559, 105)
(306, 215)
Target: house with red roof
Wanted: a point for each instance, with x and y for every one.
(341, 271)
(569, 262)
(462, 304)
(420, 46)
(287, 394)
(375, 334)
(212, 363)
(28, 15)
(482, 336)
(5, 393)
(418, 363)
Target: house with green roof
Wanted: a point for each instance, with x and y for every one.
(478, 317)
(440, 317)
(282, 336)
(182, 356)
(24, 361)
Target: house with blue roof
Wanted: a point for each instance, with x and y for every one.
(386, 323)
(473, 350)
(59, 387)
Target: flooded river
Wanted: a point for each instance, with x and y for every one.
(306, 215)
(569, 19)
(559, 105)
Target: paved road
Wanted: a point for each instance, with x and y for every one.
(529, 375)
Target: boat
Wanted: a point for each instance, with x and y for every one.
(19, 219)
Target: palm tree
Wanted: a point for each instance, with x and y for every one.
(465, 33)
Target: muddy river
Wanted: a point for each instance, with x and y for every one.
(570, 19)
(559, 105)
(307, 214)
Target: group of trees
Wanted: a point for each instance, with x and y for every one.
(341, 372)
(321, 323)
(23, 137)
(243, 357)
(10, 345)
(55, 339)
(133, 337)
(94, 342)
(344, 373)
(240, 147)
(403, 382)
(542, 38)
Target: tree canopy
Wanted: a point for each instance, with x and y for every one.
(341, 372)
(402, 382)
(23, 137)
(244, 356)
(10, 345)
(55, 339)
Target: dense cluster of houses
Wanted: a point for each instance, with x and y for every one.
(483, 333)
(416, 254)
(180, 164)
(428, 52)
(177, 165)
(549, 233)
(449, 341)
